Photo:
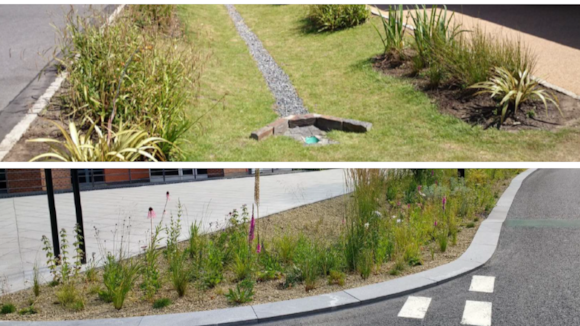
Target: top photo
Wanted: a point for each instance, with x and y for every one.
(304, 83)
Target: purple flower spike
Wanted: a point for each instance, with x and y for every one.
(252, 228)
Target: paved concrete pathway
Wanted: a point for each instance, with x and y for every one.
(532, 279)
(23, 220)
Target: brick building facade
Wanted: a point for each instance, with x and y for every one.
(17, 181)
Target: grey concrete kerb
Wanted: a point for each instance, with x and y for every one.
(479, 252)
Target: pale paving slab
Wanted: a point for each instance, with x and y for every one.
(415, 307)
(477, 313)
(480, 283)
(26, 219)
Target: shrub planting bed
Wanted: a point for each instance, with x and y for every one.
(394, 223)
(481, 78)
(481, 109)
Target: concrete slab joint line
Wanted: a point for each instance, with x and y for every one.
(475, 313)
(20, 128)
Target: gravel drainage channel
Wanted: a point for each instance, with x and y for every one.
(296, 121)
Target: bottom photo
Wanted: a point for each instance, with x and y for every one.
(289, 246)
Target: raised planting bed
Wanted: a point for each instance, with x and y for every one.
(409, 215)
(304, 127)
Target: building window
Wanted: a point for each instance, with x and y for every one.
(3, 182)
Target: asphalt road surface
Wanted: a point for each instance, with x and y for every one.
(534, 276)
(27, 44)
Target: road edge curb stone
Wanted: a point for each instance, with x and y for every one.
(476, 255)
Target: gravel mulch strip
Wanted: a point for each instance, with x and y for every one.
(287, 100)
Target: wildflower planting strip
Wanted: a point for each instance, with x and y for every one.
(479, 252)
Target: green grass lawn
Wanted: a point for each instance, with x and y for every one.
(333, 75)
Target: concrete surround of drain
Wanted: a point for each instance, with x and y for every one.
(302, 126)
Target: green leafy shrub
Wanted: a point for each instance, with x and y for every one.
(513, 89)
(336, 17)
(470, 225)
(123, 145)
(243, 293)
(7, 308)
(161, 303)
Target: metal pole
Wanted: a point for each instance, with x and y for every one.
(79, 212)
(52, 212)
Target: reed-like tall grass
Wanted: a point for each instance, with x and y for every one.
(125, 72)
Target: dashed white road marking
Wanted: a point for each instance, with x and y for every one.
(477, 313)
(415, 307)
(482, 284)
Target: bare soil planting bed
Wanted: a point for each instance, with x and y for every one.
(322, 220)
(479, 109)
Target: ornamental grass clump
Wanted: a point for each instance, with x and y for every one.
(328, 18)
(393, 33)
(122, 72)
(119, 277)
(362, 225)
(434, 29)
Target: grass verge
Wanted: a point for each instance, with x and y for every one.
(333, 74)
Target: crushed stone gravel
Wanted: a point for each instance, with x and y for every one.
(287, 100)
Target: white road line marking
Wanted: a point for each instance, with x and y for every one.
(482, 284)
(415, 307)
(477, 313)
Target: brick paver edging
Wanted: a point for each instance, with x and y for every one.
(479, 252)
